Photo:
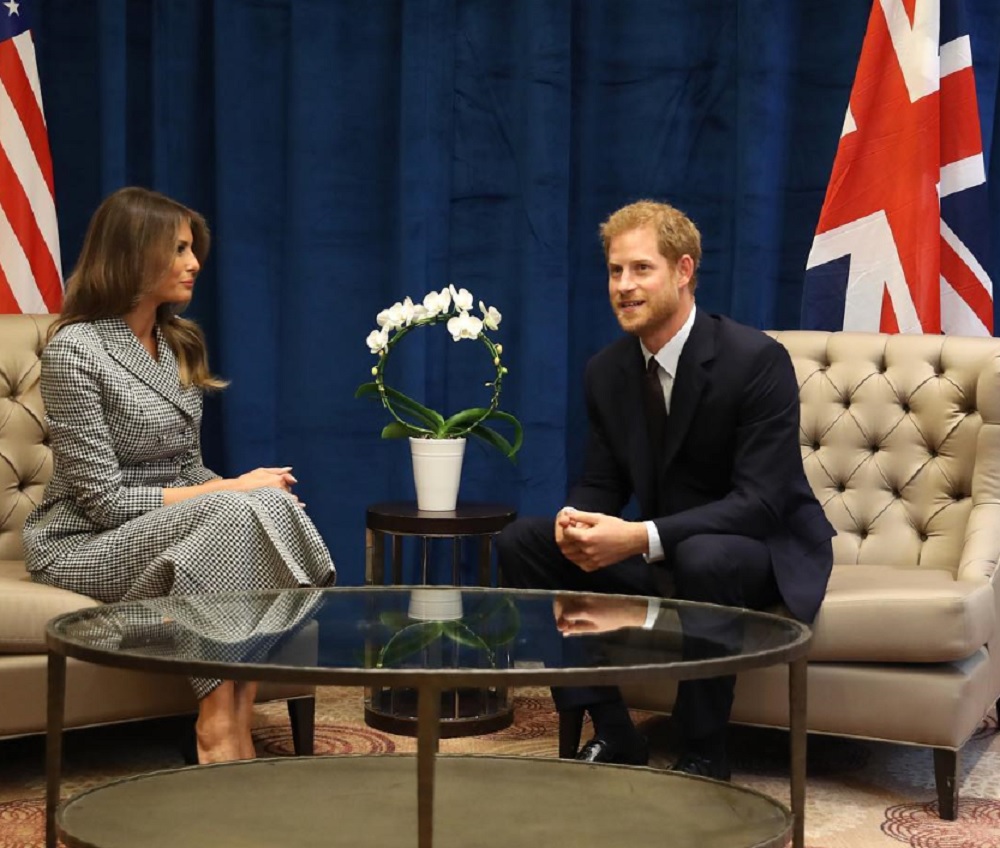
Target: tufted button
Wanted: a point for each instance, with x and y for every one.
(933, 452)
(815, 446)
(847, 403)
(923, 537)
(880, 367)
(875, 448)
(841, 487)
(906, 408)
(863, 534)
(958, 496)
(895, 493)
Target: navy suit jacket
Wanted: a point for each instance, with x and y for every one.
(732, 463)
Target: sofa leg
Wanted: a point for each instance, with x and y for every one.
(302, 713)
(946, 778)
(570, 728)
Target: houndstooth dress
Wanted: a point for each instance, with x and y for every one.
(122, 428)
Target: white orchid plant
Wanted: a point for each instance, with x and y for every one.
(455, 308)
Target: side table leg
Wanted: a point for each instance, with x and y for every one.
(53, 742)
(397, 560)
(428, 731)
(486, 561)
(374, 558)
(797, 693)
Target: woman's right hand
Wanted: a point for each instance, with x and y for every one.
(261, 478)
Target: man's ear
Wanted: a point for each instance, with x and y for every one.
(685, 269)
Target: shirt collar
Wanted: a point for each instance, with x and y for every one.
(668, 356)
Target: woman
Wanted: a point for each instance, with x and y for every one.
(131, 512)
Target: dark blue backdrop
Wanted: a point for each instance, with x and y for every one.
(350, 152)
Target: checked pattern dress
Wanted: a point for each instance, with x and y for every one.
(122, 428)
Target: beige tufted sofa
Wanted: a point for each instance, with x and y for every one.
(901, 443)
(94, 694)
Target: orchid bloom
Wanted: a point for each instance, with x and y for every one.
(463, 299)
(377, 340)
(464, 326)
(393, 317)
(400, 315)
(437, 302)
(491, 316)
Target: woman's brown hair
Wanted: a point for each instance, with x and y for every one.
(129, 245)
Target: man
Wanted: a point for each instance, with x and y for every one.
(697, 418)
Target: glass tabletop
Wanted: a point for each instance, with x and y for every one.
(451, 636)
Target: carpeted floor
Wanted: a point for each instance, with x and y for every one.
(860, 794)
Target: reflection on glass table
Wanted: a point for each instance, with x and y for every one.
(429, 641)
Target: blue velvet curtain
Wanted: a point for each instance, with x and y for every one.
(348, 153)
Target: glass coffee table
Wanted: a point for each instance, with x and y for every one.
(432, 640)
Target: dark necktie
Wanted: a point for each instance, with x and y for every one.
(656, 410)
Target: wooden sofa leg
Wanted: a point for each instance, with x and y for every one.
(570, 728)
(302, 713)
(946, 778)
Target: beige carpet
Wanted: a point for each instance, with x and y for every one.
(860, 795)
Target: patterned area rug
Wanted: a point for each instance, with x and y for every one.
(860, 794)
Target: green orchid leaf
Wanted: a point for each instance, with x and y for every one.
(404, 403)
(409, 641)
(399, 430)
(429, 416)
(463, 419)
(433, 419)
(458, 632)
(507, 418)
(486, 608)
(497, 621)
(504, 626)
(492, 437)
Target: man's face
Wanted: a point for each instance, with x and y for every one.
(645, 287)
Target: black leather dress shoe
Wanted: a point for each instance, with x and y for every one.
(715, 767)
(599, 750)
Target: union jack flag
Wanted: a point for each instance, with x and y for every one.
(30, 275)
(901, 241)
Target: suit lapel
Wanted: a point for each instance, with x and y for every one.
(122, 345)
(689, 384)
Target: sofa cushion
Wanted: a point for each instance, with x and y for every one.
(26, 607)
(875, 613)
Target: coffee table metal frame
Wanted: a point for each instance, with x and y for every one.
(429, 684)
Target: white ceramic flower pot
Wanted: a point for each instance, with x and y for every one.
(437, 472)
(435, 604)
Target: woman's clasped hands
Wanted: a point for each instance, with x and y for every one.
(267, 478)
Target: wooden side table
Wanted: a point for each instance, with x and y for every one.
(464, 712)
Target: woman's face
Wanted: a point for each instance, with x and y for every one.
(177, 283)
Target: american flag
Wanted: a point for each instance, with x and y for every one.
(902, 236)
(30, 275)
